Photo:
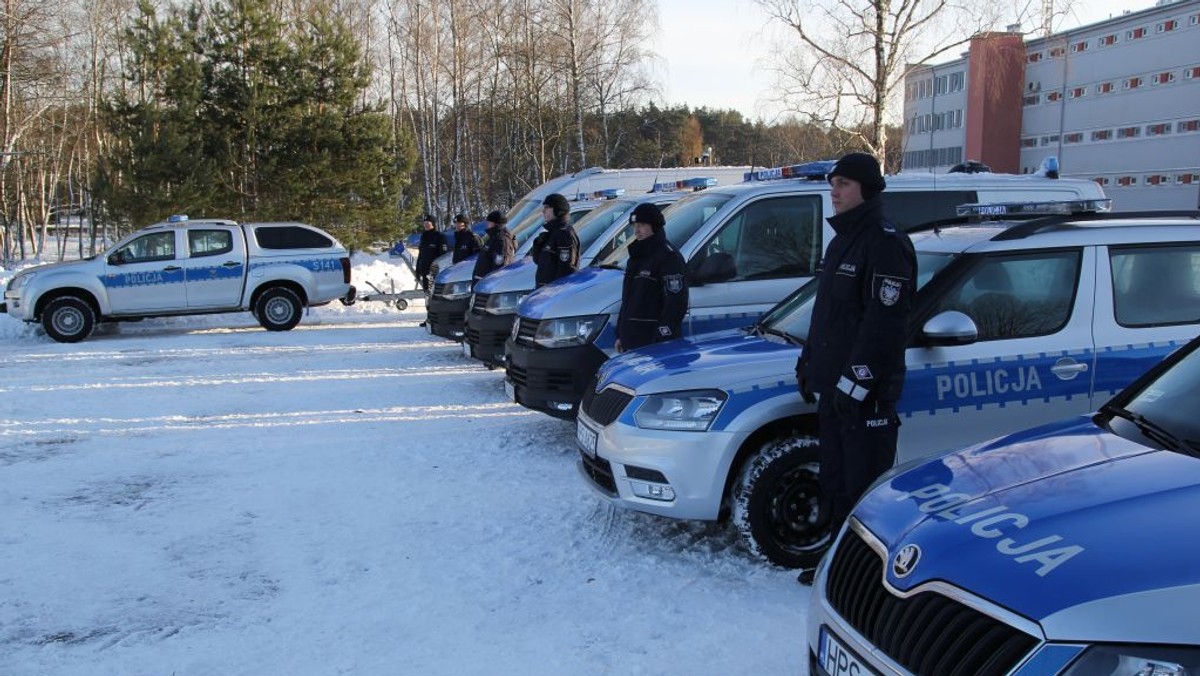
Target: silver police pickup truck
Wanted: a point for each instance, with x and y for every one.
(187, 267)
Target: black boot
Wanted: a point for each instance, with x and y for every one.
(807, 576)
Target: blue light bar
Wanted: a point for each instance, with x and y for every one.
(812, 171)
(606, 194)
(177, 218)
(698, 183)
(1048, 168)
(1028, 208)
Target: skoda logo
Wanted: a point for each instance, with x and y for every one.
(906, 560)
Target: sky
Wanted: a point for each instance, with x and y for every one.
(715, 52)
(196, 496)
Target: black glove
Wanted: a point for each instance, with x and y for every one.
(805, 393)
(844, 404)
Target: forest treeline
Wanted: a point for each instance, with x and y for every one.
(355, 115)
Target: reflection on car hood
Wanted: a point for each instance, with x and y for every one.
(717, 360)
(586, 292)
(516, 276)
(1046, 520)
(461, 271)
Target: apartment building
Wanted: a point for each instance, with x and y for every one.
(1117, 101)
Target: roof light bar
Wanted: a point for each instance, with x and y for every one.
(606, 194)
(812, 171)
(1034, 208)
(697, 183)
(177, 218)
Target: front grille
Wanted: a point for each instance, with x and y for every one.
(445, 318)
(929, 634)
(546, 381)
(479, 302)
(526, 328)
(600, 472)
(440, 289)
(606, 406)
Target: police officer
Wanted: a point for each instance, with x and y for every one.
(853, 361)
(432, 245)
(466, 244)
(654, 297)
(498, 250)
(555, 251)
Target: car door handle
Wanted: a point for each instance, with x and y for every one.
(171, 268)
(230, 264)
(1068, 368)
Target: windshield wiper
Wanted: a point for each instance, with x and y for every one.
(789, 338)
(1154, 431)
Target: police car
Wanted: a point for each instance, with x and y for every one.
(603, 230)
(1016, 322)
(747, 246)
(1064, 549)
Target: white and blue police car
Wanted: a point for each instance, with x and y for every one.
(1017, 321)
(1066, 549)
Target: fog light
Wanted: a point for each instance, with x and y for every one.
(561, 405)
(652, 491)
(458, 334)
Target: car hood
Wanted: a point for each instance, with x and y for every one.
(459, 272)
(1058, 523)
(589, 291)
(516, 276)
(728, 359)
(45, 267)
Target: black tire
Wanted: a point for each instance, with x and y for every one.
(401, 304)
(776, 502)
(278, 309)
(68, 319)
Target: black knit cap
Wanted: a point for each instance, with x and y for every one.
(497, 218)
(430, 218)
(863, 168)
(559, 203)
(461, 218)
(649, 214)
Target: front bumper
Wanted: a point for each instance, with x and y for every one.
(486, 334)
(447, 318)
(551, 381)
(674, 474)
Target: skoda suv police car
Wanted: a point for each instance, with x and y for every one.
(1017, 321)
(1064, 549)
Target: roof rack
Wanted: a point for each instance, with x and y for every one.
(1038, 225)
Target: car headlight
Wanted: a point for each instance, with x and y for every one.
(1137, 660)
(17, 282)
(691, 411)
(457, 290)
(569, 331)
(505, 303)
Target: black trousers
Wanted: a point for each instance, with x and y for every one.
(855, 450)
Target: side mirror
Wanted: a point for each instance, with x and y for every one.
(950, 328)
(117, 258)
(717, 267)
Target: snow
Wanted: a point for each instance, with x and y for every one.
(196, 496)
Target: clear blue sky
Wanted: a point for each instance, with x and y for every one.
(713, 52)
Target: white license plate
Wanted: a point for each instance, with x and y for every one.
(586, 439)
(836, 659)
(509, 390)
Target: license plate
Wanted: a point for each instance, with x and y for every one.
(509, 390)
(836, 659)
(466, 348)
(586, 439)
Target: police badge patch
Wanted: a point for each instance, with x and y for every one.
(674, 283)
(564, 255)
(889, 290)
(862, 372)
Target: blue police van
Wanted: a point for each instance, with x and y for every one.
(1063, 549)
(1017, 321)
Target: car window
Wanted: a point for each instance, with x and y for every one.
(1154, 286)
(684, 218)
(1017, 296)
(908, 209)
(209, 242)
(156, 246)
(769, 239)
(290, 237)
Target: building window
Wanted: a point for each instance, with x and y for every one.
(1162, 78)
(1129, 132)
(1156, 179)
(1078, 92)
(1126, 181)
(1135, 34)
(1133, 83)
(1032, 100)
(1079, 47)
(1048, 140)
(1158, 129)
(1187, 179)
(956, 119)
(1053, 96)
(1102, 135)
(1102, 180)
(1104, 87)
(1073, 137)
(957, 81)
(1034, 57)
(1167, 26)
(1188, 125)
(1194, 20)
(1029, 142)
(1056, 52)
(1192, 72)
(1108, 40)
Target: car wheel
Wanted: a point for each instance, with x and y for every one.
(68, 319)
(776, 502)
(401, 304)
(278, 309)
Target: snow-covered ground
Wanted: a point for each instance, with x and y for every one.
(199, 497)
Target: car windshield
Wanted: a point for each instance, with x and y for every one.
(590, 227)
(684, 218)
(1164, 409)
(790, 318)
